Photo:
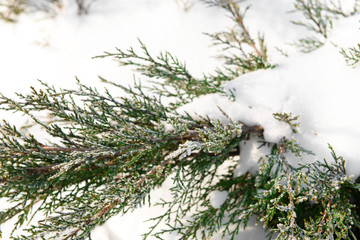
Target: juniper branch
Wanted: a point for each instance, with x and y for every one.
(235, 40)
(99, 135)
(173, 80)
(319, 16)
(352, 55)
(110, 152)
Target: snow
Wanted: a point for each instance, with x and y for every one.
(318, 86)
(238, 111)
(185, 150)
(250, 154)
(217, 198)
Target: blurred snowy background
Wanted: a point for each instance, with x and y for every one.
(59, 48)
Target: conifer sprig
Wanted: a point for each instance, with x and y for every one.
(309, 201)
(171, 77)
(352, 55)
(235, 43)
(95, 141)
(319, 17)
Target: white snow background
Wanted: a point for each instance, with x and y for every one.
(318, 86)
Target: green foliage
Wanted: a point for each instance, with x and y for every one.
(107, 147)
(171, 77)
(289, 119)
(115, 149)
(352, 56)
(319, 17)
(236, 42)
(194, 181)
(107, 153)
(308, 201)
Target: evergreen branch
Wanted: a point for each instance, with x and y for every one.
(173, 80)
(234, 41)
(319, 15)
(96, 143)
(110, 152)
(233, 8)
(313, 10)
(352, 56)
(108, 207)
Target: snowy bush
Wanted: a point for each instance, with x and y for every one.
(248, 141)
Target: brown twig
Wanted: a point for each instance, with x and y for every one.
(225, 114)
(239, 19)
(190, 135)
(324, 215)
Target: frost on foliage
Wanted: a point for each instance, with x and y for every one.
(217, 198)
(185, 150)
(214, 139)
(217, 137)
(65, 167)
(298, 86)
(317, 184)
(240, 110)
